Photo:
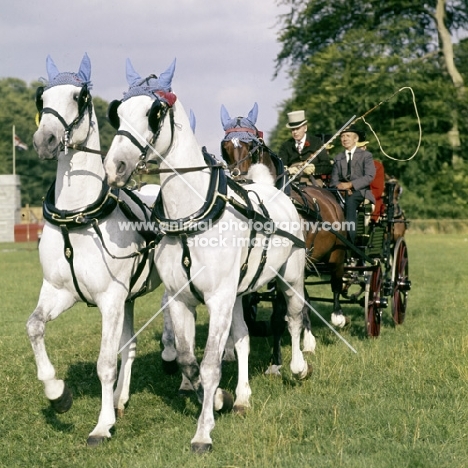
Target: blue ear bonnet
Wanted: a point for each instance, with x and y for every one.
(152, 86)
(242, 135)
(80, 79)
(67, 78)
(147, 87)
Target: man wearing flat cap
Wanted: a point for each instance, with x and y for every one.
(298, 149)
(352, 174)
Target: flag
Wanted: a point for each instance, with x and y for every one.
(19, 144)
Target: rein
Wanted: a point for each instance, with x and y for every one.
(181, 170)
(78, 147)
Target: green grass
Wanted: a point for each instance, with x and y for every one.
(399, 402)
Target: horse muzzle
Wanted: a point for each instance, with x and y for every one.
(47, 145)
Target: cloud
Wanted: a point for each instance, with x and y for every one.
(225, 50)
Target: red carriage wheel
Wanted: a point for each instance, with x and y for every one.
(400, 282)
(372, 303)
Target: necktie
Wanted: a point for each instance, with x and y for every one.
(349, 164)
(299, 146)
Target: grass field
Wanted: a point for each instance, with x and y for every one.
(401, 401)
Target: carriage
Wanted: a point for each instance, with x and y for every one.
(375, 271)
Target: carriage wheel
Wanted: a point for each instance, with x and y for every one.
(373, 311)
(400, 281)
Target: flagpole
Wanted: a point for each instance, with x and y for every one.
(14, 149)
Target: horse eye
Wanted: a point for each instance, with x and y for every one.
(75, 97)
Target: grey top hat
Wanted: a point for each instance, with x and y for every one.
(296, 119)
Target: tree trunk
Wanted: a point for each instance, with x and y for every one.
(447, 49)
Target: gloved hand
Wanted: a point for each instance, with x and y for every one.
(293, 170)
(309, 169)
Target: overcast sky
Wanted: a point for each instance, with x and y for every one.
(225, 50)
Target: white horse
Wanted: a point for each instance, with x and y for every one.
(220, 242)
(84, 253)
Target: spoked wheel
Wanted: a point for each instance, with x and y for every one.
(400, 281)
(372, 305)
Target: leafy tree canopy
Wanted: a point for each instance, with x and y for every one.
(346, 58)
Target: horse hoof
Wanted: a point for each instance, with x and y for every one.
(224, 401)
(198, 447)
(240, 410)
(274, 370)
(170, 367)
(119, 412)
(339, 320)
(64, 402)
(184, 393)
(94, 441)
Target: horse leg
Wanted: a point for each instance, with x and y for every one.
(256, 328)
(122, 390)
(112, 310)
(278, 327)
(308, 343)
(51, 304)
(293, 290)
(183, 323)
(338, 319)
(169, 352)
(229, 351)
(240, 336)
(220, 308)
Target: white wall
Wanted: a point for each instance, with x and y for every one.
(10, 206)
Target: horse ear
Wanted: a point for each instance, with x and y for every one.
(133, 78)
(253, 114)
(224, 116)
(84, 71)
(193, 121)
(52, 70)
(113, 115)
(165, 79)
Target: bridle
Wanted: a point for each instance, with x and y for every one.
(84, 107)
(156, 116)
(255, 144)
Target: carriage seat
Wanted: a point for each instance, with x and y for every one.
(378, 188)
(374, 211)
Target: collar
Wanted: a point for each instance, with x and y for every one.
(352, 150)
(302, 141)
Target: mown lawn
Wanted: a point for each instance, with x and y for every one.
(401, 401)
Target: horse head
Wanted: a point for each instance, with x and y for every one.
(145, 124)
(64, 108)
(243, 143)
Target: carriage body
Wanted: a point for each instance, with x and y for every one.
(376, 273)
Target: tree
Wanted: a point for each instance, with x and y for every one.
(345, 58)
(19, 109)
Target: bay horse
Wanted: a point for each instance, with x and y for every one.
(242, 147)
(85, 254)
(220, 240)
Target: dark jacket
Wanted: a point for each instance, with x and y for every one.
(288, 153)
(362, 172)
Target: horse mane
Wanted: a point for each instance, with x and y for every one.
(260, 174)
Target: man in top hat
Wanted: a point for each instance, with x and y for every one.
(300, 148)
(352, 174)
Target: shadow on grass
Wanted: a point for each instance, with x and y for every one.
(148, 375)
(53, 420)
